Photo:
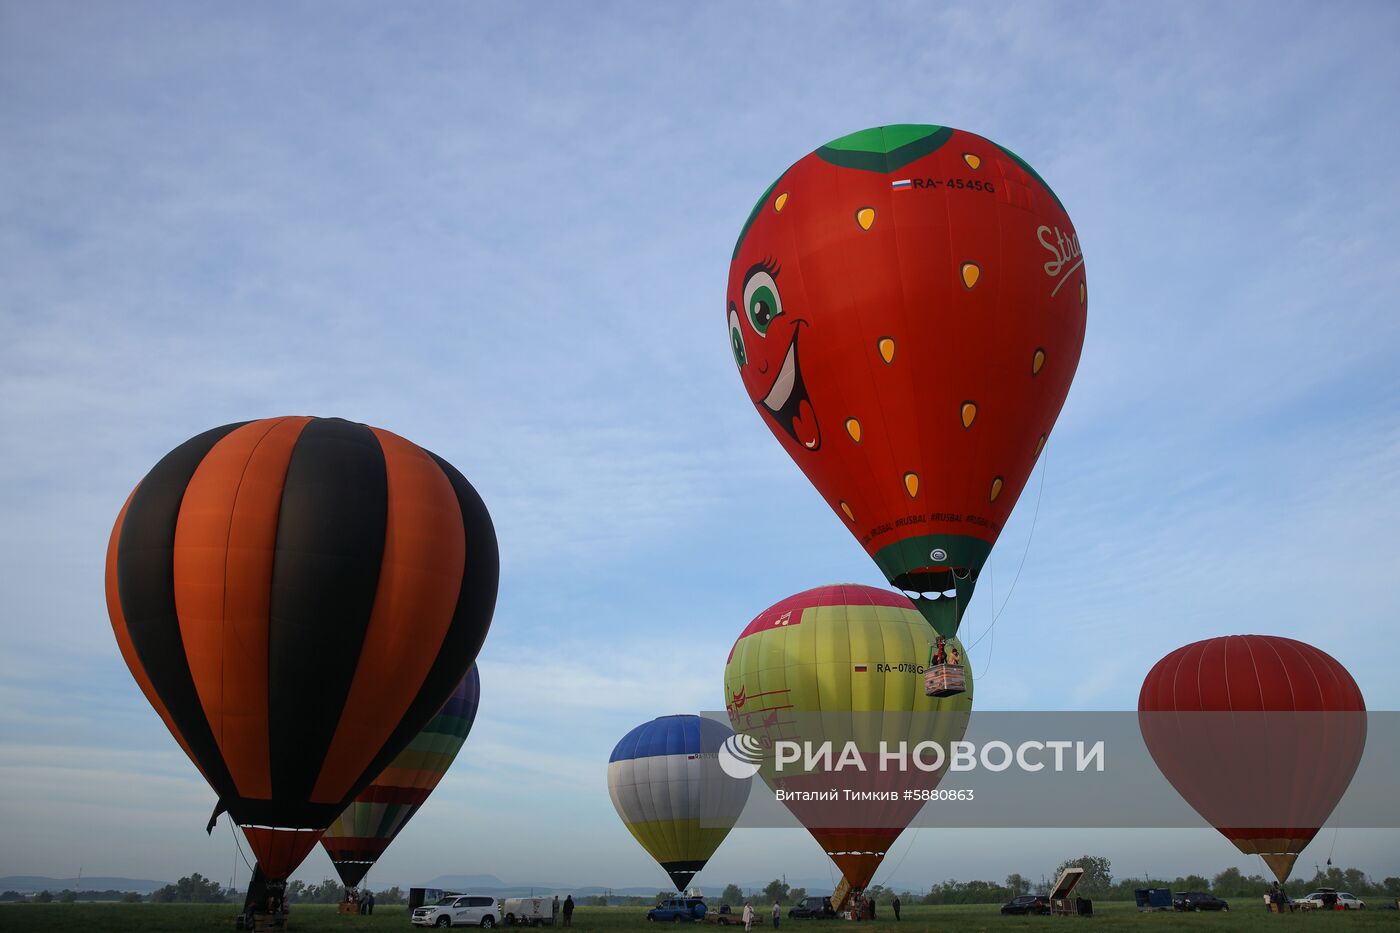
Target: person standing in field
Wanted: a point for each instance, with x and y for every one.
(895, 908)
(748, 918)
(777, 914)
(569, 911)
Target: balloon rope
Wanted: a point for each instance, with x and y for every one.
(991, 601)
(239, 846)
(1035, 516)
(991, 647)
(889, 874)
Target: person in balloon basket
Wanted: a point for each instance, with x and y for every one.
(940, 654)
(569, 911)
(748, 917)
(777, 914)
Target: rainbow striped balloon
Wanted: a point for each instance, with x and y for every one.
(360, 835)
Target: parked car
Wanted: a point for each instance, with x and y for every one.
(674, 909)
(1027, 904)
(1320, 898)
(1198, 900)
(460, 910)
(813, 908)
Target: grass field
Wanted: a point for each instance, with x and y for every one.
(316, 918)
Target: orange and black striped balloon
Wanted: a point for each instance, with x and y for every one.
(297, 597)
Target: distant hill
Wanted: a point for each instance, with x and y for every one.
(490, 884)
(33, 884)
(479, 884)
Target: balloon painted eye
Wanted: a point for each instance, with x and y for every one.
(761, 300)
(736, 337)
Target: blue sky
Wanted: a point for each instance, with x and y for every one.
(503, 231)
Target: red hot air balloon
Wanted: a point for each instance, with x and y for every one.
(906, 307)
(297, 597)
(1268, 774)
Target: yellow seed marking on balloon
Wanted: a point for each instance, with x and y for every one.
(887, 349)
(865, 217)
(973, 161)
(969, 413)
(847, 509)
(996, 490)
(1040, 445)
(1037, 361)
(1083, 293)
(779, 201)
(853, 429)
(911, 484)
(971, 272)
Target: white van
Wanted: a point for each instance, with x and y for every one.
(459, 910)
(534, 911)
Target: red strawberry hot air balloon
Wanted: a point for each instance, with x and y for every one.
(906, 307)
(1260, 734)
(297, 597)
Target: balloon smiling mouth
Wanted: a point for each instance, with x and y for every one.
(939, 582)
(788, 403)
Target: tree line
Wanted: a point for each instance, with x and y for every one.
(1096, 882)
(67, 896)
(196, 889)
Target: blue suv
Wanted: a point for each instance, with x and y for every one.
(676, 909)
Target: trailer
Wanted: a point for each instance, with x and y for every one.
(1060, 905)
(1150, 899)
(529, 911)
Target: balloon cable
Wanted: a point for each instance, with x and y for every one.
(890, 874)
(991, 601)
(239, 846)
(1035, 516)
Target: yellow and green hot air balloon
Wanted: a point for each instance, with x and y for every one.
(360, 835)
(670, 797)
(843, 664)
